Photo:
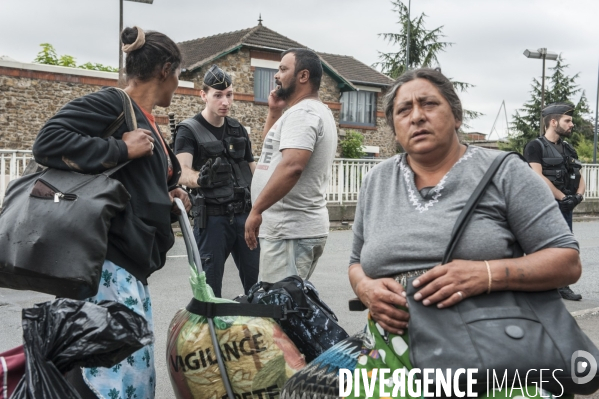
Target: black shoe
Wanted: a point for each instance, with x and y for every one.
(568, 294)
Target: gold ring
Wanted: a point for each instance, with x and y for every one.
(461, 295)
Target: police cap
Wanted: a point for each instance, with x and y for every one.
(558, 109)
(217, 78)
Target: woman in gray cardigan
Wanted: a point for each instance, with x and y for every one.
(404, 219)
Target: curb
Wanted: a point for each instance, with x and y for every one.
(585, 312)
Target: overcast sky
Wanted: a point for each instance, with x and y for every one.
(489, 35)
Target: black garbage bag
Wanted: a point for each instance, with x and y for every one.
(67, 333)
(309, 322)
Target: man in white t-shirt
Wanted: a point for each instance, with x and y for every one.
(289, 212)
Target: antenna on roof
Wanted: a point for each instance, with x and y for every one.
(507, 124)
(260, 19)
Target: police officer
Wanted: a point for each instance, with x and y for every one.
(217, 164)
(557, 163)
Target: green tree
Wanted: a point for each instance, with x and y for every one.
(48, 56)
(585, 150)
(425, 46)
(98, 67)
(559, 87)
(67, 61)
(352, 144)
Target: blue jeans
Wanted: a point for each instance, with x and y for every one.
(219, 240)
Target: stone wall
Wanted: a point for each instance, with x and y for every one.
(26, 104)
(28, 99)
(236, 64)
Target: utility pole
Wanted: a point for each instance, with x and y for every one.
(408, 41)
(121, 82)
(595, 134)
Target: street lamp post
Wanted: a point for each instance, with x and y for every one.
(595, 132)
(543, 54)
(121, 82)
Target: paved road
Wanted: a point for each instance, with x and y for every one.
(171, 291)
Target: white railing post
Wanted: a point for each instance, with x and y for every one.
(13, 166)
(341, 183)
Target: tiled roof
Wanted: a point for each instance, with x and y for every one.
(355, 71)
(261, 36)
(198, 52)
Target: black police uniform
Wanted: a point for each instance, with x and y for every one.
(560, 165)
(559, 161)
(226, 207)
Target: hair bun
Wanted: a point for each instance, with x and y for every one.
(138, 41)
(129, 35)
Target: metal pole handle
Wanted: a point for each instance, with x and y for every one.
(193, 255)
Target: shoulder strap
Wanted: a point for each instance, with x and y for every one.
(544, 147)
(210, 309)
(543, 141)
(232, 122)
(568, 146)
(200, 132)
(127, 117)
(467, 211)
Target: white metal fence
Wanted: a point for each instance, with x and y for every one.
(344, 185)
(590, 174)
(12, 165)
(346, 179)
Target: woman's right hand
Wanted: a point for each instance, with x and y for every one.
(139, 143)
(381, 296)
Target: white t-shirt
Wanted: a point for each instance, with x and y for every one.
(302, 213)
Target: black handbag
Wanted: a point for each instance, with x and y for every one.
(306, 319)
(511, 333)
(54, 226)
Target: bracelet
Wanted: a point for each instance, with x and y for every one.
(490, 277)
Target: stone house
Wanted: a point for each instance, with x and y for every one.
(481, 140)
(31, 93)
(351, 89)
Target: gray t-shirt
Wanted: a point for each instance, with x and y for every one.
(398, 230)
(302, 213)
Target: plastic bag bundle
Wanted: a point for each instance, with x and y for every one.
(258, 355)
(67, 333)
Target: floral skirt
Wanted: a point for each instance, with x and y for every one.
(367, 353)
(134, 377)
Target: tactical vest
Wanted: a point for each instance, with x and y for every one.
(561, 170)
(231, 150)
